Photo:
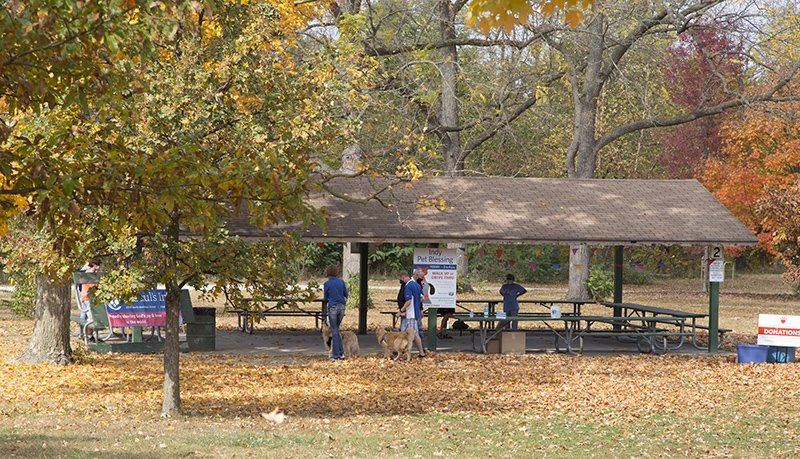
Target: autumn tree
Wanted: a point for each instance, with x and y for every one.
(218, 121)
(424, 88)
(760, 159)
(55, 53)
(54, 56)
(596, 54)
(757, 170)
(700, 65)
(780, 212)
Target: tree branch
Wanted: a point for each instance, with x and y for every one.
(700, 113)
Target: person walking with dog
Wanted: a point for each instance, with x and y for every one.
(334, 292)
(411, 312)
(511, 291)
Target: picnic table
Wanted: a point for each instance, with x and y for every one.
(492, 303)
(424, 311)
(246, 317)
(647, 331)
(641, 310)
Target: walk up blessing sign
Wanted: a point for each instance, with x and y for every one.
(440, 267)
(778, 330)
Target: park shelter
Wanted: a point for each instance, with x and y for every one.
(511, 210)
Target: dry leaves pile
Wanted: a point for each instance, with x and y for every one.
(584, 388)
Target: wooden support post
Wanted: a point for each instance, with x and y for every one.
(618, 281)
(363, 287)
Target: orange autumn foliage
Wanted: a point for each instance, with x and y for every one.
(761, 156)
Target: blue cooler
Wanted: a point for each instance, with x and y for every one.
(778, 354)
(751, 353)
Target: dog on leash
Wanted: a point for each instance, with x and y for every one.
(349, 341)
(399, 342)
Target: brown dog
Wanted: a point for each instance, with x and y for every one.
(349, 341)
(399, 342)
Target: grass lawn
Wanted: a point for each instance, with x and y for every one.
(448, 406)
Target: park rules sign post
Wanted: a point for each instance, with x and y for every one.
(440, 267)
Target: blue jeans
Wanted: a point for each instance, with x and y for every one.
(511, 313)
(335, 317)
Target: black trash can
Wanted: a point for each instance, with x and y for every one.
(202, 334)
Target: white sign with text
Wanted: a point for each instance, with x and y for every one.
(440, 267)
(779, 330)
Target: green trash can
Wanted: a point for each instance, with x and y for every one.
(202, 334)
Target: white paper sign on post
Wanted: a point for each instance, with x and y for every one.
(779, 330)
(716, 271)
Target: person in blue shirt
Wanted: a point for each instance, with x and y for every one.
(335, 294)
(411, 311)
(511, 292)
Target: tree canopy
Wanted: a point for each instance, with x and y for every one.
(219, 119)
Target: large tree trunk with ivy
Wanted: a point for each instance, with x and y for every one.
(50, 340)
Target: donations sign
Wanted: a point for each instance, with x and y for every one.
(778, 330)
(149, 311)
(440, 267)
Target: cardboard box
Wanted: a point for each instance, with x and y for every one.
(493, 346)
(512, 342)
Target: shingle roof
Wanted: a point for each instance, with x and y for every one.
(525, 211)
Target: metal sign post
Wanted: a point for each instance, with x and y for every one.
(716, 274)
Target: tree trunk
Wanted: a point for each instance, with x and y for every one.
(582, 153)
(351, 262)
(448, 117)
(579, 258)
(50, 340)
(462, 262)
(172, 384)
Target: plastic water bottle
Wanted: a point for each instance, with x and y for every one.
(486, 311)
(471, 314)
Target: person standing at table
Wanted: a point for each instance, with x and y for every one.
(511, 291)
(83, 296)
(90, 266)
(402, 276)
(335, 294)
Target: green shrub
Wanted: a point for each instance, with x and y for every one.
(391, 258)
(354, 291)
(601, 283)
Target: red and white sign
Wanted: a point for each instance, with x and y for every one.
(779, 330)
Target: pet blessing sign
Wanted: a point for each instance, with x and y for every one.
(440, 267)
(778, 330)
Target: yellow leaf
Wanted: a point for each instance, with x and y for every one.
(574, 18)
